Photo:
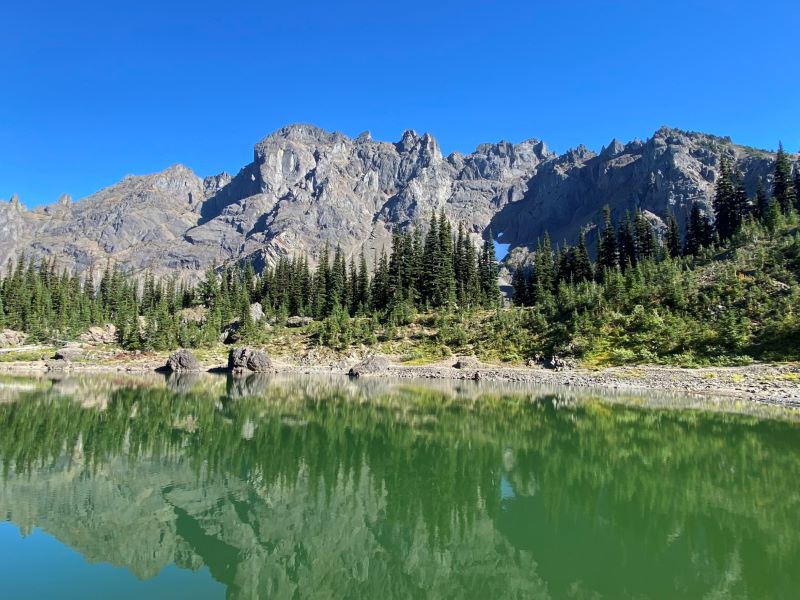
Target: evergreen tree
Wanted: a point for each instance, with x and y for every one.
(488, 272)
(379, 293)
(519, 286)
(544, 274)
(582, 264)
(337, 281)
(445, 276)
(362, 301)
(626, 243)
(741, 203)
(797, 187)
(725, 203)
(698, 231)
(607, 255)
(646, 244)
(352, 287)
(673, 241)
(431, 261)
(783, 189)
(321, 294)
(762, 201)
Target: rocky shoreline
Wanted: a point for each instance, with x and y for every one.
(774, 384)
(768, 384)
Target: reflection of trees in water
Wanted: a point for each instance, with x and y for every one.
(661, 500)
(414, 476)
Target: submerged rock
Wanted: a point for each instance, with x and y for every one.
(249, 359)
(183, 360)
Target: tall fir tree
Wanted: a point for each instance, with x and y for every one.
(741, 203)
(646, 244)
(489, 290)
(626, 243)
(362, 298)
(726, 219)
(762, 201)
(698, 231)
(673, 239)
(445, 276)
(430, 263)
(797, 187)
(544, 270)
(582, 264)
(607, 254)
(783, 189)
(519, 286)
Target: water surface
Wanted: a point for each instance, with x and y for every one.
(207, 487)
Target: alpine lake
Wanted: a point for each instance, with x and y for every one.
(288, 487)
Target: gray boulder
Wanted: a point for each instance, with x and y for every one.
(10, 338)
(69, 353)
(249, 359)
(183, 360)
(559, 363)
(105, 334)
(466, 362)
(58, 364)
(370, 365)
(298, 321)
(256, 312)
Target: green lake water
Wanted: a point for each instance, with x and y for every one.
(211, 487)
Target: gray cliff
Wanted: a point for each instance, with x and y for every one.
(307, 187)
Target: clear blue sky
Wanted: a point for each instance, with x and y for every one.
(92, 91)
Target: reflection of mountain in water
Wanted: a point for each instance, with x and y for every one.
(362, 493)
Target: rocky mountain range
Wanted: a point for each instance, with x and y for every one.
(306, 187)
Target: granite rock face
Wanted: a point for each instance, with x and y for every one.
(307, 187)
(668, 172)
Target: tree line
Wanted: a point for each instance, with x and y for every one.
(436, 270)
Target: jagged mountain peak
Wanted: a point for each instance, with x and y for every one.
(614, 148)
(302, 132)
(307, 186)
